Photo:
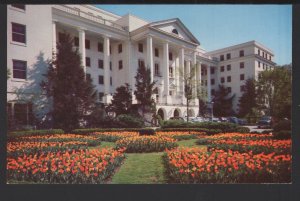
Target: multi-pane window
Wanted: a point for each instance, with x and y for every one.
(100, 47)
(269, 57)
(156, 52)
(242, 77)
(222, 79)
(18, 32)
(87, 44)
(229, 89)
(88, 76)
(258, 64)
(140, 47)
(100, 63)
(19, 6)
(241, 53)
(228, 78)
(19, 69)
(228, 56)
(23, 114)
(101, 79)
(228, 67)
(156, 69)
(212, 81)
(242, 65)
(101, 94)
(110, 81)
(120, 48)
(120, 64)
(222, 68)
(170, 56)
(258, 52)
(221, 57)
(170, 72)
(76, 41)
(212, 92)
(88, 61)
(212, 70)
(170, 93)
(141, 63)
(263, 54)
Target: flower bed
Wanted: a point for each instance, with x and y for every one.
(217, 166)
(181, 135)
(114, 136)
(77, 166)
(146, 144)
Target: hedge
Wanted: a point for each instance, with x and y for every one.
(34, 132)
(92, 130)
(282, 134)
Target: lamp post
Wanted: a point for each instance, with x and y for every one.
(212, 110)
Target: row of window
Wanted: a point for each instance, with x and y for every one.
(228, 55)
(101, 63)
(242, 88)
(100, 79)
(264, 54)
(228, 67)
(264, 66)
(156, 51)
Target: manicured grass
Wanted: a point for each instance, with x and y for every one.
(104, 145)
(141, 168)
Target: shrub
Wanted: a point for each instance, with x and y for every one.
(128, 121)
(213, 131)
(255, 132)
(180, 135)
(284, 125)
(243, 129)
(34, 132)
(265, 132)
(146, 144)
(93, 130)
(203, 141)
(114, 136)
(282, 134)
(147, 131)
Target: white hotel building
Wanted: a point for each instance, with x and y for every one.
(112, 48)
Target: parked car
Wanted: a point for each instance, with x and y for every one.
(198, 119)
(223, 119)
(265, 122)
(242, 121)
(234, 120)
(177, 118)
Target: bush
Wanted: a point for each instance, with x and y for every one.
(255, 132)
(213, 131)
(284, 125)
(282, 134)
(243, 129)
(114, 136)
(146, 144)
(147, 131)
(265, 132)
(203, 141)
(34, 132)
(128, 121)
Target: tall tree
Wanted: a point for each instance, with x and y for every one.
(122, 100)
(73, 96)
(144, 90)
(202, 99)
(248, 100)
(223, 102)
(189, 84)
(274, 90)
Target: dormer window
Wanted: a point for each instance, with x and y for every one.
(175, 31)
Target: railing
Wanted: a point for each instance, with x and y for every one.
(88, 16)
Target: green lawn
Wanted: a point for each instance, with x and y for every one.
(104, 145)
(141, 168)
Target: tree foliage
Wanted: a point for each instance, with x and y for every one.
(144, 90)
(248, 100)
(122, 100)
(223, 102)
(274, 92)
(73, 96)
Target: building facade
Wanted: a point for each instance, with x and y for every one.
(112, 48)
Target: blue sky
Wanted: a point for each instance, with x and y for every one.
(218, 26)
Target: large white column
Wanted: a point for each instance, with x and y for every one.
(195, 71)
(82, 48)
(106, 65)
(208, 84)
(150, 56)
(54, 37)
(166, 69)
(181, 69)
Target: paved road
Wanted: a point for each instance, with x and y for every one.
(254, 128)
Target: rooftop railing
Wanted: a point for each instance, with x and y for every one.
(88, 16)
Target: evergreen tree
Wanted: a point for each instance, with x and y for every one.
(122, 100)
(248, 100)
(223, 103)
(73, 96)
(144, 90)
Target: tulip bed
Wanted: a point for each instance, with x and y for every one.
(114, 135)
(146, 144)
(67, 167)
(219, 166)
(180, 135)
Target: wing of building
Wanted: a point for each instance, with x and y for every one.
(113, 47)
